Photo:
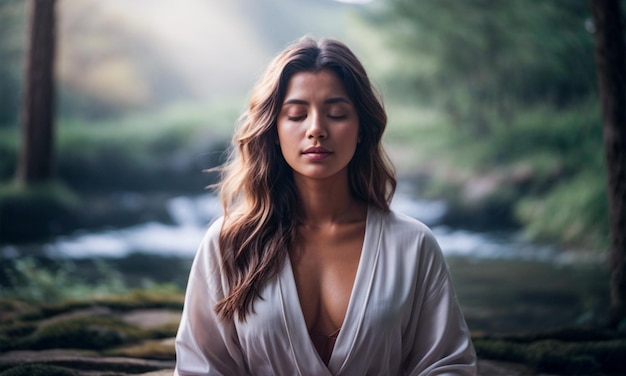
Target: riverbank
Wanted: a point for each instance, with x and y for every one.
(505, 284)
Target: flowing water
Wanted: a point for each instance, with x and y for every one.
(504, 282)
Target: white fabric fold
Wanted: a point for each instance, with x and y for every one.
(402, 319)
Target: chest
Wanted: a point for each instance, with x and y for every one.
(372, 332)
(325, 269)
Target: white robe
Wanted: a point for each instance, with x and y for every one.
(402, 319)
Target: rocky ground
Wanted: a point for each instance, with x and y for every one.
(89, 363)
(134, 335)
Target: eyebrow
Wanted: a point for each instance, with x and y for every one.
(331, 100)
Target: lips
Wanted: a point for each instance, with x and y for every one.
(317, 152)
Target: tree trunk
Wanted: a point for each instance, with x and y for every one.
(37, 116)
(610, 54)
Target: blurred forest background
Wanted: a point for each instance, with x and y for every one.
(493, 108)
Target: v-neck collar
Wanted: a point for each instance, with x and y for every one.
(303, 351)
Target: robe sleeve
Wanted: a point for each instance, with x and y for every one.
(206, 344)
(441, 342)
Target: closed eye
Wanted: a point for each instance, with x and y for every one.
(337, 117)
(296, 118)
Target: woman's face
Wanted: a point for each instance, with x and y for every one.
(318, 126)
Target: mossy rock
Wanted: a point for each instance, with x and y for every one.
(11, 307)
(6, 343)
(557, 356)
(499, 350)
(560, 357)
(37, 370)
(17, 329)
(137, 299)
(11, 334)
(150, 349)
(91, 332)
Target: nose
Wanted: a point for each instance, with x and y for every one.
(316, 128)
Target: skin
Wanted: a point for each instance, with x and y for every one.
(317, 112)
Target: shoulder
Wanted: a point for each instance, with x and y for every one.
(407, 238)
(403, 227)
(207, 258)
(212, 234)
(206, 267)
(410, 243)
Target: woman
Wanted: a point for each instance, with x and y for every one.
(309, 272)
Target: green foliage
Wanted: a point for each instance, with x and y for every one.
(53, 191)
(572, 136)
(546, 166)
(491, 58)
(512, 101)
(165, 151)
(57, 286)
(574, 212)
(564, 196)
(28, 280)
(101, 164)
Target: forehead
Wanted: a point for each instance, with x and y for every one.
(315, 85)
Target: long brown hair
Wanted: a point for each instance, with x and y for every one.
(259, 197)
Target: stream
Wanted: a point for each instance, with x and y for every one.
(504, 282)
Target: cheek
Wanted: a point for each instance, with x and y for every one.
(350, 134)
(285, 138)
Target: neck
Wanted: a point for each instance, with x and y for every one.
(327, 203)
